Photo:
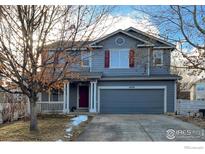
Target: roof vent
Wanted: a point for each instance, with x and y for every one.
(119, 41)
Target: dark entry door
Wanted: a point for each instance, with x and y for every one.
(83, 96)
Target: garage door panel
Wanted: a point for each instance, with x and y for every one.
(131, 101)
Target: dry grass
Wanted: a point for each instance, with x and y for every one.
(51, 128)
(194, 120)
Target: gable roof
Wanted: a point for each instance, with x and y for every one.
(124, 32)
(151, 36)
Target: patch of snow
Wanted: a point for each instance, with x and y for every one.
(79, 119)
(68, 130)
(59, 140)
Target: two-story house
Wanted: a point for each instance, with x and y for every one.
(128, 71)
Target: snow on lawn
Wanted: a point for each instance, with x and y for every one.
(68, 130)
(76, 121)
(79, 119)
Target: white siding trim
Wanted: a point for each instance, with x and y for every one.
(68, 97)
(64, 98)
(135, 87)
(93, 95)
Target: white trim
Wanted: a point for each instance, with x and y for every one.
(52, 102)
(68, 97)
(144, 45)
(162, 47)
(91, 97)
(120, 31)
(64, 97)
(139, 78)
(119, 50)
(93, 91)
(135, 87)
(148, 62)
(95, 96)
(175, 95)
(151, 36)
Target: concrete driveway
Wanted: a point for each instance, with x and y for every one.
(140, 128)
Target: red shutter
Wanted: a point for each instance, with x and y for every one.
(107, 58)
(132, 58)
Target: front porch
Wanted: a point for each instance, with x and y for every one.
(75, 97)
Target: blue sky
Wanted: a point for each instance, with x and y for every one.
(168, 29)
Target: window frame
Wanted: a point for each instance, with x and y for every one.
(89, 59)
(162, 57)
(119, 50)
(49, 95)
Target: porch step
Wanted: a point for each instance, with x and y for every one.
(82, 110)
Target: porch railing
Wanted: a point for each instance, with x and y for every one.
(50, 107)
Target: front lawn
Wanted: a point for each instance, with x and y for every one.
(51, 128)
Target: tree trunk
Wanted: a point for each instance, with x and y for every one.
(33, 116)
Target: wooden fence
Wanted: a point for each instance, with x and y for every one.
(13, 107)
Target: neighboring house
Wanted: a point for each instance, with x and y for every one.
(198, 90)
(128, 71)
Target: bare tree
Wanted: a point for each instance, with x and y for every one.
(185, 25)
(26, 66)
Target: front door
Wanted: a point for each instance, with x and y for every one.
(83, 96)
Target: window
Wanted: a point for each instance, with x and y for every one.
(158, 57)
(200, 88)
(55, 95)
(119, 58)
(44, 96)
(85, 59)
(51, 53)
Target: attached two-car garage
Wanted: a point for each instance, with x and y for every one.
(131, 100)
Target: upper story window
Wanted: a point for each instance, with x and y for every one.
(55, 57)
(158, 57)
(119, 58)
(85, 59)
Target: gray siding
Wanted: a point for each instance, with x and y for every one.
(136, 101)
(169, 84)
(141, 59)
(73, 95)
